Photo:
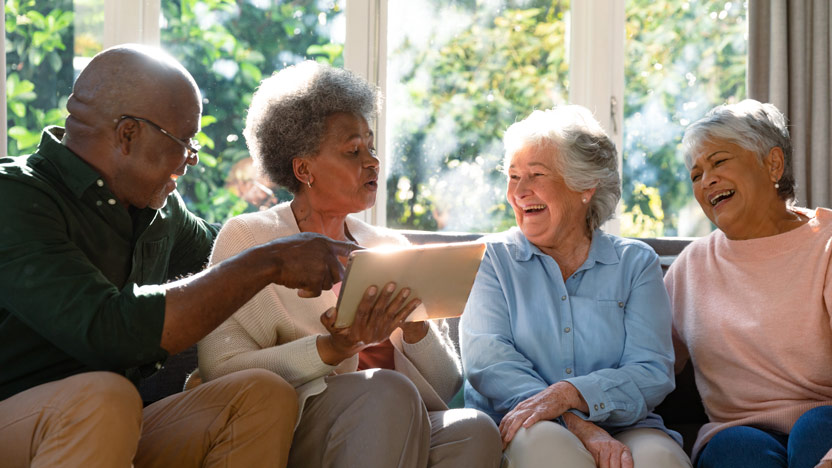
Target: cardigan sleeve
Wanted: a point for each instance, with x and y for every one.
(436, 359)
(247, 339)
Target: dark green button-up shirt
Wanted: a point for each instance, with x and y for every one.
(79, 273)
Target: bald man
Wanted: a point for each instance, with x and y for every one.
(92, 232)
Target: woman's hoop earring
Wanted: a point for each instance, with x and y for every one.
(309, 183)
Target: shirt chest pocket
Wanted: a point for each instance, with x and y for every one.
(599, 325)
(152, 264)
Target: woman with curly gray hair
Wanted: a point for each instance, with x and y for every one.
(566, 338)
(373, 394)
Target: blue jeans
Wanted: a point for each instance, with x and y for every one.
(745, 446)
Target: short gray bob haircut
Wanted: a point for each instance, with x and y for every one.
(288, 112)
(751, 125)
(581, 151)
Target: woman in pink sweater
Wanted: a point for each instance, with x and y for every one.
(752, 300)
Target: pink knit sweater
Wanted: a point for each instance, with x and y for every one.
(755, 318)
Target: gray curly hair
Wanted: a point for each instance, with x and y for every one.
(587, 156)
(751, 125)
(288, 112)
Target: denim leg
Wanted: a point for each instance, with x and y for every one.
(810, 438)
(744, 446)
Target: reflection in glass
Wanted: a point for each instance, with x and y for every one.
(458, 74)
(682, 58)
(229, 46)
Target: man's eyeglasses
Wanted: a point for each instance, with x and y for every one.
(192, 145)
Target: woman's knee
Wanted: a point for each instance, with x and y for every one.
(652, 447)
(810, 437)
(467, 437)
(391, 390)
(742, 444)
(546, 441)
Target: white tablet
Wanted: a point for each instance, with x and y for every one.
(441, 275)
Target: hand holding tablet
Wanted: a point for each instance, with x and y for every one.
(440, 275)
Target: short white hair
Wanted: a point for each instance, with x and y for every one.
(751, 125)
(587, 156)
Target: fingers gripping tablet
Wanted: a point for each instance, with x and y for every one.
(441, 275)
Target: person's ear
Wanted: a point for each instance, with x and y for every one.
(300, 166)
(587, 195)
(775, 163)
(127, 131)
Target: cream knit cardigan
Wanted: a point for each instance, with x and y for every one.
(277, 330)
(755, 318)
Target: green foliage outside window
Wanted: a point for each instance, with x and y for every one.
(479, 82)
(229, 46)
(681, 58)
(39, 41)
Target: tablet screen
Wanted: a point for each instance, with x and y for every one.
(440, 275)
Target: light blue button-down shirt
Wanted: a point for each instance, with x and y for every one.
(606, 330)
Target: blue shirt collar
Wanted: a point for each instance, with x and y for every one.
(601, 249)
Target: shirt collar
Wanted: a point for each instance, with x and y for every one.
(74, 171)
(601, 250)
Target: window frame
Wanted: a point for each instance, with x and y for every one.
(596, 69)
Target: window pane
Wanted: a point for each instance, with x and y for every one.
(228, 46)
(43, 41)
(459, 73)
(682, 58)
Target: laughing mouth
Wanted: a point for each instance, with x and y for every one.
(724, 195)
(534, 208)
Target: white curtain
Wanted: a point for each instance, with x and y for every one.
(789, 58)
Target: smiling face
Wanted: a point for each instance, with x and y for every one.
(735, 190)
(344, 173)
(546, 209)
(151, 161)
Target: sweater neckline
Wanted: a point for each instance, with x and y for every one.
(771, 246)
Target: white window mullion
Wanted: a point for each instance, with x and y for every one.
(596, 67)
(365, 53)
(135, 21)
(4, 132)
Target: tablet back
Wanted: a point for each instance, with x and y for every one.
(441, 275)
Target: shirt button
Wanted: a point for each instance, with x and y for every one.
(111, 201)
(563, 298)
(158, 365)
(567, 330)
(596, 407)
(99, 182)
(99, 202)
(602, 406)
(568, 370)
(621, 304)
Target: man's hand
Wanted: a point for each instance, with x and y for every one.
(607, 452)
(546, 405)
(307, 262)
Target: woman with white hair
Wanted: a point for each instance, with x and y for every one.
(372, 394)
(566, 337)
(752, 301)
